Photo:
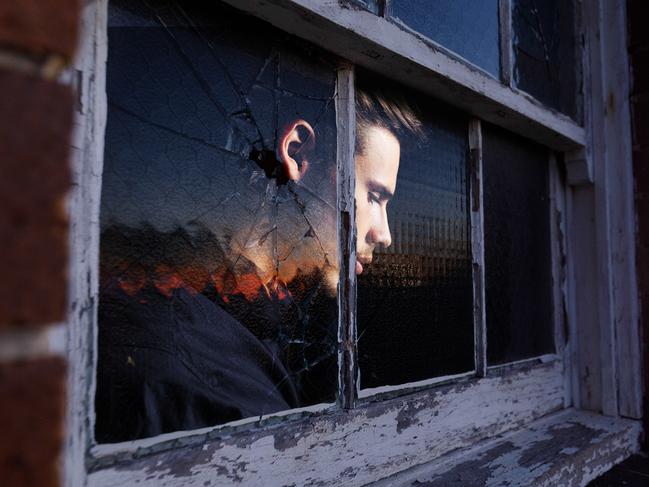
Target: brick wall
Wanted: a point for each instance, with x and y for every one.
(638, 44)
(37, 42)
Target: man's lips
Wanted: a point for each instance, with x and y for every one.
(360, 262)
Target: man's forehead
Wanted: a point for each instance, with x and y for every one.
(380, 159)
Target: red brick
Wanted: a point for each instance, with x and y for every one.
(35, 123)
(40, 26)
(32, 413)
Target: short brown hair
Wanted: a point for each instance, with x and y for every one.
(382, 105)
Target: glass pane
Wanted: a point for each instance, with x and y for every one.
(467, 27)
(371, 5)
(545, 63)
(218, 259)
(518, 267)
(415, 318)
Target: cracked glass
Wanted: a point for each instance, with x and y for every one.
(467, 27)
(218, 244)
(545, 55)
(518, 263)
(415, 292)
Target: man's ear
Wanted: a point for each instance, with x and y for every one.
(298, 139)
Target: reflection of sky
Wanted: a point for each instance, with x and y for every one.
(467, 27)
(187, 106)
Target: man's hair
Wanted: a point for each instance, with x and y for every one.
(382, 105)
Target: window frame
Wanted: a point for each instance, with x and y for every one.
(486, 402)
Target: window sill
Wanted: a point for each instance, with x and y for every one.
(566, 448)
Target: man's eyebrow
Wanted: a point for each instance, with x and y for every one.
(384, 193)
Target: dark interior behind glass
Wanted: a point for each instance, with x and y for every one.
(518, 267)
(545, 52)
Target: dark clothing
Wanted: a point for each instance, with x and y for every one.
(179, 363)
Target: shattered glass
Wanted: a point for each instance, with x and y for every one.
(469, 28)
(218, 265)
(415, 299)
(545, 57)
(518, 279)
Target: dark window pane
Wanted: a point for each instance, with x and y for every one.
(467, 27)
(545, 62)
(218, 271)
(415, 317)
(517, 248)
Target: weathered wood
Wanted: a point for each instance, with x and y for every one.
(558, 246)
(583, 310)
(477, 248)
(87, 163)
(380, 44)
(604, 301)
(614, 103)
(579, 167)
(350, 447)
(609, 354)
(346, 130)
(377, 393)
(569, 448)
(506, 42)
(587, 283)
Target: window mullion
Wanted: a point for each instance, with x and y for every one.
(477, 247)
(506, 49)
(558, 247)
(345, 126)
(385, 8)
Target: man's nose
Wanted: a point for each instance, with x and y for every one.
(381, 234)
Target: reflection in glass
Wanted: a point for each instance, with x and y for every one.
(373, 6)
(518, 276)
(545, 63)
(466, 27)
(218, 262)
(414, 309)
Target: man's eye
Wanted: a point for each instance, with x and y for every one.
(373, 197)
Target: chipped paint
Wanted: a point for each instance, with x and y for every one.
(377, 439)
(569, 448)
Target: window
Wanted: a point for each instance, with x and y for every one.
(218, 272)
(415, 301)
(245, 259)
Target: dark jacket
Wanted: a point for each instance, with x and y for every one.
(178, 363)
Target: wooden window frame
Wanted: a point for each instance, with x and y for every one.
(368, 436)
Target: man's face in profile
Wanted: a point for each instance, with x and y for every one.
(376, 179)
(377, 165)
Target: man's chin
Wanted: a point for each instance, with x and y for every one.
(359, 268)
